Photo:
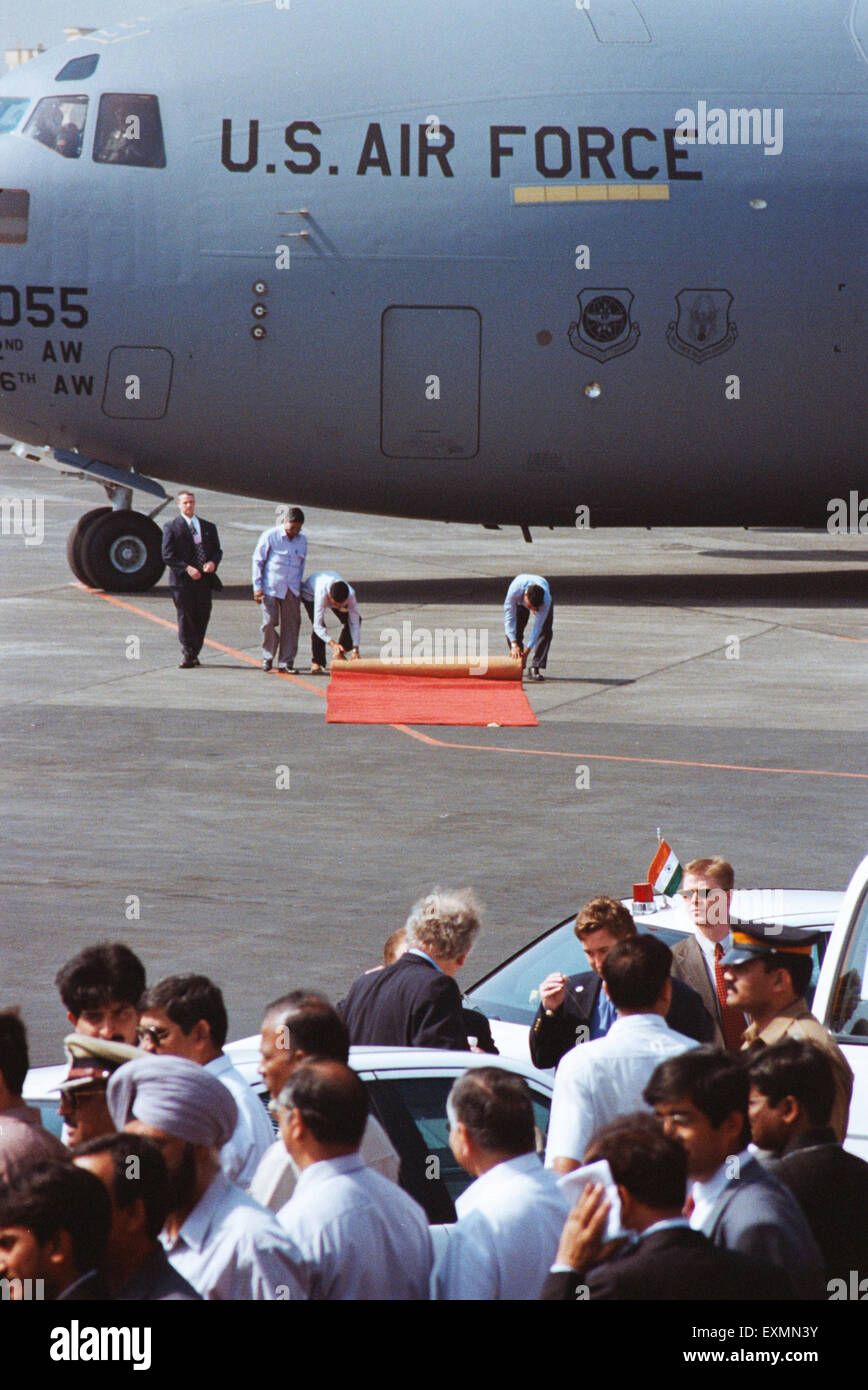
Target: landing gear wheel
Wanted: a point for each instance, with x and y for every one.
(73, 544)
(122, 553)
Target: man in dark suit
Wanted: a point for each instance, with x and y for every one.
(575, 1009)
(707, 890)
(669, 1260)
(191, 549)
(702, 1096)
(792, 1091)
(416, 1002)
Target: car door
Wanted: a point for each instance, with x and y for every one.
(411, 1106)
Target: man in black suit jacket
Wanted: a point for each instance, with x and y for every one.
(416, 1002)
(792, 1091)
(191, 549)
(669, 1260)
(573, 1009)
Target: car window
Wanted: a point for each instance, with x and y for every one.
(512, 992)
(848, 1010)
(817, 953)
(50, 1114)
(412, 1109)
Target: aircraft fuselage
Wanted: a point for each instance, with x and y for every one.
(471, 272)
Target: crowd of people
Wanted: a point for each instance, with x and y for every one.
(683, 1161)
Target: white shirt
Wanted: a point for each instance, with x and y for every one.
(355, 1235)
(506, 1237)
(705, 1194)
(600, 1080)
(229, 1247)
(253, 1133)
(276, 1177)
(315, 589)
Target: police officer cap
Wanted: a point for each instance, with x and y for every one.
(93, 1060)
(764, 940)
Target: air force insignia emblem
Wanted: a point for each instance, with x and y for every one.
(603, 328)
(702, 329)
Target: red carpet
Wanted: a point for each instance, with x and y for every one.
(380, 697)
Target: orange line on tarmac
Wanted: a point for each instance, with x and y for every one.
(484, 747)
(621, 758)
(217, 646)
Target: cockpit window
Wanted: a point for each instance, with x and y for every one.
(77, 69)
(58, 122)
(11, 111)
(129, 131)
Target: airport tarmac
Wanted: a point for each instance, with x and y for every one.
(709, 682)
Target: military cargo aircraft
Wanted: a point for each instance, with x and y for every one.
(595, 262)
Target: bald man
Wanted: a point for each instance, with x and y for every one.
(355, 1234)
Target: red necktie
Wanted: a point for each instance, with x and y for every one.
(731, 1020)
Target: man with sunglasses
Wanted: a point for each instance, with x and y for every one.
(697, 960)
(185, 1016)
(83, 1106)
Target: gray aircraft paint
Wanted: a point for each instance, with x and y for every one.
(420, 265)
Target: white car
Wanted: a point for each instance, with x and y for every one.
(841, 1000)
(509, 995)
(407, 1087)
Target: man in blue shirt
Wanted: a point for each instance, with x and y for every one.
(278, 567)
(529, 593)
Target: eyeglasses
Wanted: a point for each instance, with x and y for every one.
(156, 1035)
(70, 1100)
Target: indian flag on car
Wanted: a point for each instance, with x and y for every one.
(665, 873)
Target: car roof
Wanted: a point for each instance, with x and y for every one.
(786, 907)
(42, 1082)
(382, 1059)
(813, 909)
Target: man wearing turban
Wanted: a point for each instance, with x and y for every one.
(221, 1241)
